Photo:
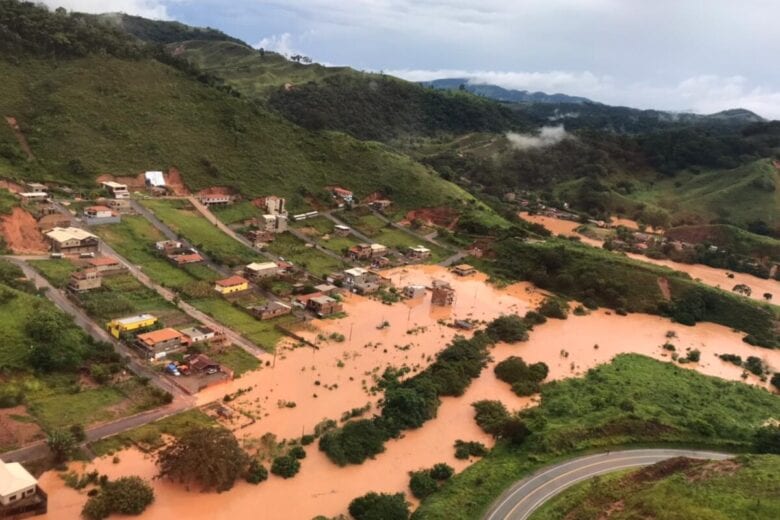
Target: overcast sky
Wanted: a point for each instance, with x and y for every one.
(700, 55)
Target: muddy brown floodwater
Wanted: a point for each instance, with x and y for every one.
(344, 371)
(705, 274)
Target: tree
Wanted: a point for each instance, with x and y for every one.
(466, 449)
(776, 380)
(768, 296)
(490, 416)
(376, 506)
(409, 407)
(62, 445)
(509, 328)
(767, 439)
(285, 466)
(297, 452)
(742, 289)
(209, 457)
(354, 443)
(422, 484)
(124, 496)
(554, 308)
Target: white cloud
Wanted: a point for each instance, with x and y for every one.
(547, 136)
(281, 43)
(147, 8)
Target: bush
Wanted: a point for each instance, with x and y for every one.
(297, 452)
(755, 365)
(524, 378)
(285, 466)
(534, 318)
(525, 388)
(422, 484)
(124, 496)
(776, 380)
(491, 416)
(442, 471)
(554, 308)
(354, 443)
(376, 506)
(255, 472)
(509, 328)
(511, 370)
(62, 445)
(767, 439)
(466, 449)
(732, 358)
(694, 356)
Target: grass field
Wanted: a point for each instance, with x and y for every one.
(134, 239)
(57, 272)
(262, 333)
(294, 250)
(745, 488)
(237, 360)
(187, 222)
(633, 400)
(237, 212)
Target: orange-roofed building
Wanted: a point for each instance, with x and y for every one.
(231, 285)
(106, 264)
(159, 343)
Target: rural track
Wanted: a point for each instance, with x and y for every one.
(527, 495)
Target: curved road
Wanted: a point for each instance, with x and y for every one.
(527, 495)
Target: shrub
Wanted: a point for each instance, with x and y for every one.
(376, 506)
(422, 484)
(354, 443)
(124, 496)
(755, 365)
(776, 380)
(297, 452)
(525, 388)
(466, 449)
(694, 356)
(255, 472)
(307, 439)
(534, 318)
(511, 370)
(285, 466)
(767, 439)
(62, 445)
(442, 471)
(732, 358)
(491, 416)
(554, 308)
(509, 328)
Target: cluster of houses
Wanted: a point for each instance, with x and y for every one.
(261, 231)
(176, 253)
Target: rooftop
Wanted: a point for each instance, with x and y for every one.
(134, 319)
(97, 208)
(112, 184)
(231, 281)
(420, 249)
(155, 178)
(103, 261)
(13, 478)
(158, 336)
(322, 300)
(262, 266)
(355, 271)
(70, 233)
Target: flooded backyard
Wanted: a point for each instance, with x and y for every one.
(337, 377)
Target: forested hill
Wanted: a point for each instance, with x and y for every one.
(160, 31)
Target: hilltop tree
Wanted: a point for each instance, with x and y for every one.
(209, 457)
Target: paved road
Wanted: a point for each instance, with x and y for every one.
(527, 495)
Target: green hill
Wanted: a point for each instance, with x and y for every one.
(677, 488)
(109, 105)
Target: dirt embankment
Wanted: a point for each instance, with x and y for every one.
(443, 217)
(175, 183)
(16, 429)
(21, 234)
(23, 144)
(216, 190)
(138, 182)
(11, 186)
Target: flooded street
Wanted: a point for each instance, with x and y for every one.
(345, 370)
(707, 275)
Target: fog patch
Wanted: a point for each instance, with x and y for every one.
(547, 136)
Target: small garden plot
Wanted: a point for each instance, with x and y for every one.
(57, 272)
(236, 359)
(296, 251)
(236, 213)
(183, 219)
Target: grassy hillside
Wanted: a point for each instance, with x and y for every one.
(257, 73)
(98, 114)
(679, 488)
(632, 400)
(731, 238)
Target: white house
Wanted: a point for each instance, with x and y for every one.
(119, 191)
(260, 270)
(16, 483)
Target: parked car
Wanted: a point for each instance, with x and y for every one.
(172, 369)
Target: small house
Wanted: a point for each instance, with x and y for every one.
(71, 240)
(185, 258)
(324, 306)
(35, 187)
(464, 270)
(442, 294)
(106, 265)
(260, 237)
(204, 365)
(354, 275)
(231, 285)
(167, 245)
(419, 252)
(94, 215)
(221, 199)
(270, 310)
(340, 230)
(16, 486)
(116, 190)
(119, 205)
(261, 270)
(343, 194)
(326, 289)
(365, 251)
(380, 204)
(197, 334)
(154, 179)
(159, 343)
(414, 291)
(34, 196)
(131, 323)
(272, 205)
(85, 280)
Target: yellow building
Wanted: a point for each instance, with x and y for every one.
(231, 285)
(118, 326)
